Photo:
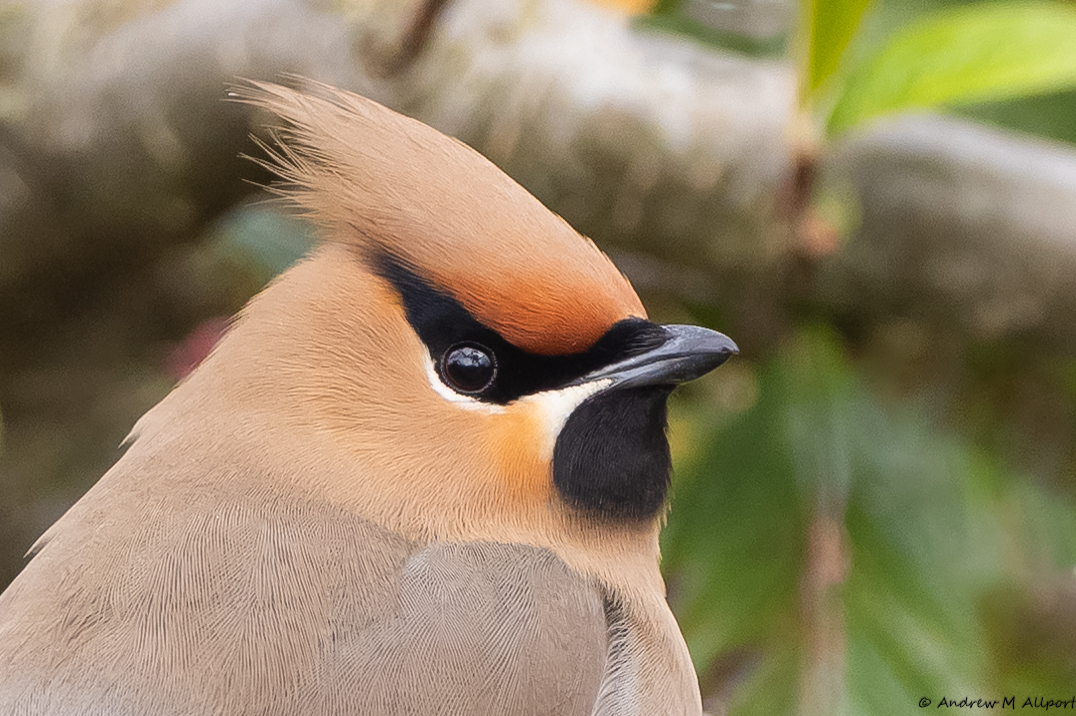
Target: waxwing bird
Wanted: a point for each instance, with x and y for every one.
(423, 473)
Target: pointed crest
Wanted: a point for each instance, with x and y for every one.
(384, 182)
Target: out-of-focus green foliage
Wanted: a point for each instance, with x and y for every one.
(940, 544)
(861, 60)
(733, 549)
(678, 23)
(827, 28)
(969, 54)
(1050, 115)
(671, 16)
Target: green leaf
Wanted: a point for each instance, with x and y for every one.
(832, 26)
(971, 54)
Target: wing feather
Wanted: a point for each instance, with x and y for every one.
(293, 608)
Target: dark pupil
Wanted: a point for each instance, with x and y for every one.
(468, 369)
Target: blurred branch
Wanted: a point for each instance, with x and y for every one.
(120, 104)
(964, 227)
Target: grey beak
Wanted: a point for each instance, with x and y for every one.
(688, 353)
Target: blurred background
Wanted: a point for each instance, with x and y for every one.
(875, 503)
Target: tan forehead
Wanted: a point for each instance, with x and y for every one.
(379, 180)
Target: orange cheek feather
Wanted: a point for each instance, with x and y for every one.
(523, 455)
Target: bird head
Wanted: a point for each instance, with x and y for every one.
(452, 353)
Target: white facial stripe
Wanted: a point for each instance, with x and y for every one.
(555, 406)
(463, 401)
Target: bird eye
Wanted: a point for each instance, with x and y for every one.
(468, 368)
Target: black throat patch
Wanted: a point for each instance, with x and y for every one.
(612, 456)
